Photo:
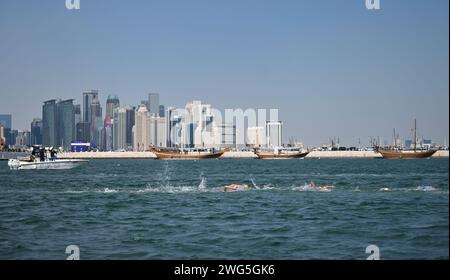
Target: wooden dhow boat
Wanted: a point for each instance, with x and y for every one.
(396, 152)
(281, 153)
(392, 153)
(187, 153)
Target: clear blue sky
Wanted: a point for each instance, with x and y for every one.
(332, 67)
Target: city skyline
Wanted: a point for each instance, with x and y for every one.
(63, 123)
(343, 74)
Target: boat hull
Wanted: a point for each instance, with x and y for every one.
(403, 154)
(58, 164)
(281, 156)
(168, 155)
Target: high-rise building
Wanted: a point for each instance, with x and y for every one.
(158, 136)
(196, 126)
(58, 123)
(66, 123)
(274, 133)
(111, 104)
(141, 129)
(153, 104)
(83, 132)
(107, 137)
(88, 97)
(2, 138)
(50, 123)
(130, 115)
(174, 123)
(36, 132)
(77, 109)
(199, 125)
(96, 122)
(11, 137)
(6, 120)
(255, 136)
(6, 123)
(106, 131)
(22, 139)
(120, 129)
(162, 112)
(227, 135)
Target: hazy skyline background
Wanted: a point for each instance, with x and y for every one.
(332, 67)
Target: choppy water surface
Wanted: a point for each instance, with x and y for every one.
(149, 209)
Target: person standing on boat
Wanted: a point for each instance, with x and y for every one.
(34, 153)
(42, 154)
(52, 155)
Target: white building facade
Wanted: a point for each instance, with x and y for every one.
(256, 136)
(120, 129)
(274, 134)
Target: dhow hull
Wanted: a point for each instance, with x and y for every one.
(406, 154)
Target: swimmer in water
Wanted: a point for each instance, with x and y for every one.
(244, 187)
(235, 187)
(313, 187)
(425, 188)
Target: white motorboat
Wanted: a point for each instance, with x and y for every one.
(17, 164)
(44, 158)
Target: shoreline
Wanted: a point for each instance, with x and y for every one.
(232, 155)
(226, 155)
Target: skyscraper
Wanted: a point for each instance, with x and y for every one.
(22, 139)
(36, 132)
(2, 138)
(104, 132)
(88, 96)
(157, 130)
(83, 132)
(198, 125)
(227, 135)
(96, 122)
(141, 129)
(162, 112)
(130, 116)
(173, 127)
(120, 129)
(11, 140)
(6, 123)
(107, 132)
(111, 103)
(255, 136)
(153, 104)
(66, 123)
(50, 123)
(77, 109)
(6, 120)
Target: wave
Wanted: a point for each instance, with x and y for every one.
(425, 188)
(203, 187)
(108, 190)
(313, 188)
(179, 189)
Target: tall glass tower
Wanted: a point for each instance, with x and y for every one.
(153, 103)
(66, 123)
(49, 123)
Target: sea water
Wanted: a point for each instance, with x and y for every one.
(156, 209)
